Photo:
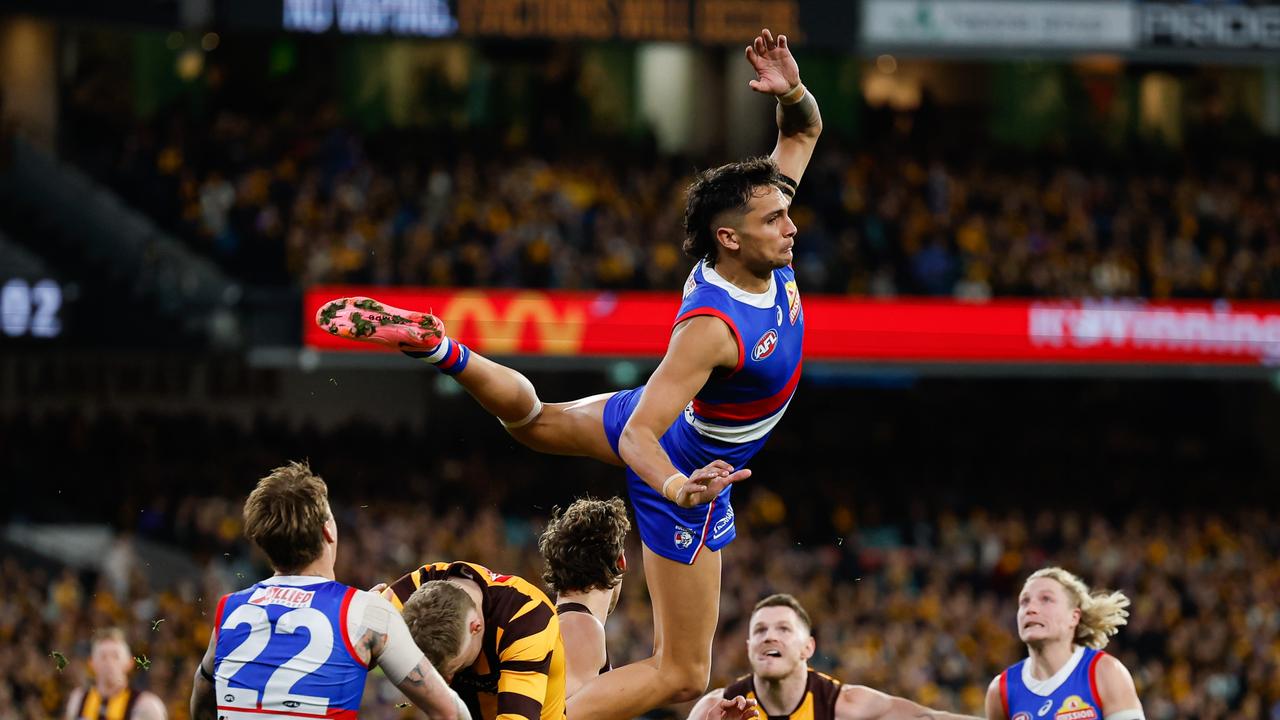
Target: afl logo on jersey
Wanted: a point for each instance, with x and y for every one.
(765, 345)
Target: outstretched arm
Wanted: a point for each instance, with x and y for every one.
(858, 702)
(698, 346)
(799, 122)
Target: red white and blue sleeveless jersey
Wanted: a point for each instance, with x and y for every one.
(743, 406)
(731, 416)
(1071, 694)
(283, 650)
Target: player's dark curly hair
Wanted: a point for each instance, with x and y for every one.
(714, 191)
(581, 545)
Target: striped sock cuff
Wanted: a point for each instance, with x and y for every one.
(450, 356)
(456, 361)
(432, 356)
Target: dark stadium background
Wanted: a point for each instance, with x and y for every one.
(175, 174)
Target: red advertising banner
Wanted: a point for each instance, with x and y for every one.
(637, 324)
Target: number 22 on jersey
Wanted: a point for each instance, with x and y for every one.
(276, 693)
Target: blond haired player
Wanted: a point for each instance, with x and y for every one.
(1066, 675)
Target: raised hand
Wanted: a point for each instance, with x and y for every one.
(738, 708)
(776, 70)
(706, 483)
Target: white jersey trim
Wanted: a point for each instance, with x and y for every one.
(737, 434)
(295, 580)
(1047, 687)
(764, 300)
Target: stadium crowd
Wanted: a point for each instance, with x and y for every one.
(302, 197)
(922, 609)
(917, 600)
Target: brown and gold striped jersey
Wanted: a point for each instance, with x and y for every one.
(520, 671)
(93, 706)
(818, 703)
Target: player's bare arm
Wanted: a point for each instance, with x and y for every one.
(858, 702)
(584, 649)
(994, 705)
(203, 704)
(426, 689)
(715, 706)
(698, 347)
(1116, 690)
(799, 122)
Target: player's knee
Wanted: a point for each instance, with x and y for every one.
(686, 681)
(536, 436)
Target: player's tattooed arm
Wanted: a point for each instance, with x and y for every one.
(426, 689)
(370, 644)
(800, 118)
(799, 122)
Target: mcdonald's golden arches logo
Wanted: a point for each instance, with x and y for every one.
(492, 331)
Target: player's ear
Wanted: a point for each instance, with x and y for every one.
(810, 646)
(727, 238)
(330, 530)
(622, 562)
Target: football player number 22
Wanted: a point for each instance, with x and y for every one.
(276, 693)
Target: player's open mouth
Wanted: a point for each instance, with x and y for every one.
(773, 653)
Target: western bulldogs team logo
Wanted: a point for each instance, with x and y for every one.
(793, 301)
(1022, 716)
(1075, 708)
(684, 537)
(765, 345)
